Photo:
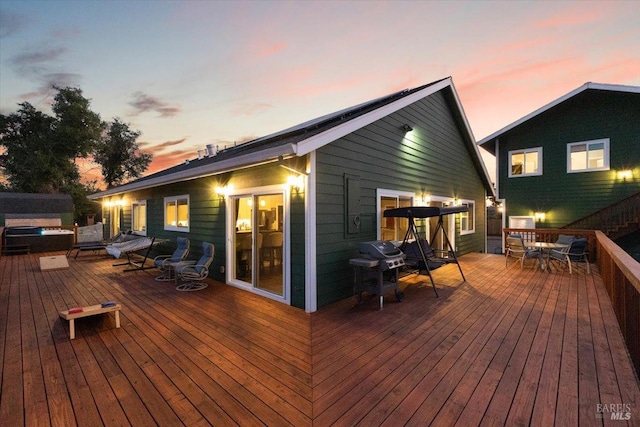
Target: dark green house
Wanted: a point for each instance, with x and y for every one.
(286, 211)
(570, 159)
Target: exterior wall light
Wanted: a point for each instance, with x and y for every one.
(625, 174)
(223, 191)
(296, 182)
(539, 216)
(407, 128)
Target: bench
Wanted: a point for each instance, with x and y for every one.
(92, 310)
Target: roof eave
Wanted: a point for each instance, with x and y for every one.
(588, 85)
(215, 168)
(317, 141)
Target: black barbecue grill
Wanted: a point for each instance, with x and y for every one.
(376, 270)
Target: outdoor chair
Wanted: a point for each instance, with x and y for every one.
(576, 252)
(192, 275)
(166, 263)
(565, 239)
(517, 249)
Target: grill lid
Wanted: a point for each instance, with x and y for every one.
(379, 249)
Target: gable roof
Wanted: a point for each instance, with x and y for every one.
(301, 139)
(488, 142)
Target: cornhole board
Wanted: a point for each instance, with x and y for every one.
(56, 262)
(90, 310)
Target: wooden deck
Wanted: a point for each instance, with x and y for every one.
(508, 347)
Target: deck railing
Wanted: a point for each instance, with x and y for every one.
(621, 277)
(620, 274)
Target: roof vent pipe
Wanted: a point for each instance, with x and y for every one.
(210, 151)
(200, 154)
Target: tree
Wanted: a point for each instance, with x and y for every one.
(119, 155)
(40, 151)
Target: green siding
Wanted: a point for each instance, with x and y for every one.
(207, 217)
(566, 197)
(433, 159)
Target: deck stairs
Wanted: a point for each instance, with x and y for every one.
(616, 220)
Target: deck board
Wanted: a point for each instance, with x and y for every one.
(506, 347)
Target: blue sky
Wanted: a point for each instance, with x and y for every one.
(191, 73)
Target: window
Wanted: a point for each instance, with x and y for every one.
(468, 219)
(525, 162)
(588, 156)
(392, 228)
(139, 217)
(176, 213)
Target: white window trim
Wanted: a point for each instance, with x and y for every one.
(231, 228)
(382, 192)
(164, 213)
(138, 203)
(526, 150)
(472, 207)
(606, 165)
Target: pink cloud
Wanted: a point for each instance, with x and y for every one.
(573, 16)
(271, 49)
(251, 108)
(161, 145)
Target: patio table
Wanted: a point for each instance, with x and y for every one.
(545, 251)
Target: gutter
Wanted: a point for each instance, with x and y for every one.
(248, 160)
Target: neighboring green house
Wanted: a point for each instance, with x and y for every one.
(569, 159)
(286, 212)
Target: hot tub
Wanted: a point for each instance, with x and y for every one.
(36, 239)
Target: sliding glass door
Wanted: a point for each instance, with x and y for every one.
(258, 239)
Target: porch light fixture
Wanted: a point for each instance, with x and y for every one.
(223, 191)
(625, 174)
(539, 216)
(296, 182)
(406, 128)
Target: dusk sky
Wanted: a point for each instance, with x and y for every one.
(191, 73)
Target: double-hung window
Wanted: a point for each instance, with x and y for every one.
(527, 162)
(139, 217)
(587, 156)
(176, 213)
